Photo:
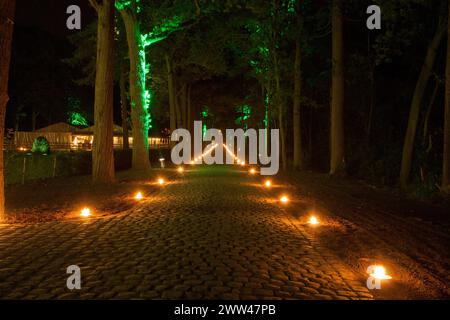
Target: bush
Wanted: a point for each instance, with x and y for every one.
(40, 146)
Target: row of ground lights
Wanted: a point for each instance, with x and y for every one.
(377, 272)
(86, 212)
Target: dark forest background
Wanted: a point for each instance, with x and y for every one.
(52, 75)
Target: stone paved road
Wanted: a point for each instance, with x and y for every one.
(208, 235)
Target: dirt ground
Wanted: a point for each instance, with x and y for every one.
(367, 225)
(63, 198)
(360, 223)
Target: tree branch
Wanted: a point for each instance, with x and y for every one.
(199, 10)
(95, 5)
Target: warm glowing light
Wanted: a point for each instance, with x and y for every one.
(379, 272)
(242, 163)
(85, 212)
(180, 169)
(284, 199)
(139, 196)
(268, 183)
(161, 181)
(252, 171)
(208, 150)
(313, 220)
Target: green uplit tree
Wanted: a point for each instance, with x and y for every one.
(133, 14)
(268, 29)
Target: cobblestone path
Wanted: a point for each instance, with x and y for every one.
(212, 233)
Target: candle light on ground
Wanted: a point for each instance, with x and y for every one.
(139, 196)
(252, 171)
(284, 199)
(379, 272)
(180, 169)
(85, 212)
(161, 181)
(268, 183)
(313, 220)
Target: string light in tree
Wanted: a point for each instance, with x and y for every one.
(238, 161)
(208, 150)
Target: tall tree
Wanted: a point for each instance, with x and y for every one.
(416, 102)
(298, 159)
(7, 11)
(139, 96)
(103, 152)
(446, 155)
(161, 25)
(124, 105)
(337, 160)
(171, 90)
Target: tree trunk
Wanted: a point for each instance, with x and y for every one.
(7, 11)
(446, 153)
(124, 107)
(189, 124)
(298, 158)
(171, 90)
(428, 113)
(179, 106)
(182, 106)
(139, 112)
(419, 91)
(337, 160)
(371, 103)
(280, 106)
(34, 115)
(103, 152)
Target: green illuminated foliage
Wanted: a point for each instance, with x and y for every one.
(77, 119)
(75, 115)
(244, 112)
(124, 4)
(205, 112)
(40, 146)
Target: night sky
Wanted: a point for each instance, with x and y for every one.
(50, 15)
